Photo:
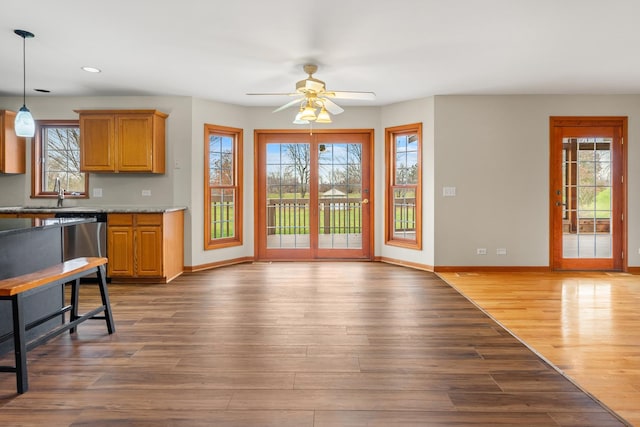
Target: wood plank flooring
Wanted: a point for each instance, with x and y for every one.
(585, 324)
(294, 344)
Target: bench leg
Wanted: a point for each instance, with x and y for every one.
(19, 344)
(104, 293)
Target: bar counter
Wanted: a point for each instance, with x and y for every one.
(27, 245)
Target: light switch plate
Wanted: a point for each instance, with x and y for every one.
(97, 192)
(449, 191)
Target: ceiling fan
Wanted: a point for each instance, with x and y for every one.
(314, 100)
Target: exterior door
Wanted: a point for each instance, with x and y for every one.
(588, 193)
(313, 195)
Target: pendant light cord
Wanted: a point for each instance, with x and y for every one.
(24, 71)
(24, 34)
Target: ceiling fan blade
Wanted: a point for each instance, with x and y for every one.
(332, 107)
(276, 94)
(345, 94)
(287, 105)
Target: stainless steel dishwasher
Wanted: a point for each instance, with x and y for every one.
(88, 239)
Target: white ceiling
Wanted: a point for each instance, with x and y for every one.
(400, 49)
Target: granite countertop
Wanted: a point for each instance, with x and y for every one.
(18, 225)
(90, 209)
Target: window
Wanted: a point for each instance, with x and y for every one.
(403, 148)
(223, 186)
(56, 155)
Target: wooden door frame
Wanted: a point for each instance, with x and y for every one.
(555, 125)
(260, 210)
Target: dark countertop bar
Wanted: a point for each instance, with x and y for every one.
(21, 225)
(91, 209)
(27, 245)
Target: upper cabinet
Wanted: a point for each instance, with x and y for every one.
(12, 147)
(122, 141)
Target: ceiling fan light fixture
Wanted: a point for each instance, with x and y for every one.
(298, 120)
(312, 95)
(24, 125)
(323, 116)
(309, 113)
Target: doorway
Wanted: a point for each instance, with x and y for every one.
(588, 193)
(313, 195)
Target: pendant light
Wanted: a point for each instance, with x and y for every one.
(24, 124)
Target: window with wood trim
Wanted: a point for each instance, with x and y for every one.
(56, 155)
(403, 201)
(223, 186)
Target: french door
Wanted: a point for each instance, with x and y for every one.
(313, 195)
(588, 193)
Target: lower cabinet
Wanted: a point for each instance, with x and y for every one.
(147, 247)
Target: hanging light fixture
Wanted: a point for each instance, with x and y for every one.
(24, 124)
(309, 113)
(323, 116)
(298, 120)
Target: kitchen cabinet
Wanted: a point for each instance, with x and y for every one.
(122, 141)
(12, 147)
(145, 246)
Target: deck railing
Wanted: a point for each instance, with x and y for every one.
(336, 216)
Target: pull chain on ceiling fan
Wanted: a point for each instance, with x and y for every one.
(313, 99)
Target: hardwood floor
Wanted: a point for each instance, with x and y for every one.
(586, 324)
(294, 344)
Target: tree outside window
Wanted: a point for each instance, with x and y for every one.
(56, 155)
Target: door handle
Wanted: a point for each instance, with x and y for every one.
(364, 201)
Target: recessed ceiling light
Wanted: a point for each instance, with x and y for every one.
(92, 69)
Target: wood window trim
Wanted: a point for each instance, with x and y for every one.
(390, 154)
(237, 135)
(37, 160)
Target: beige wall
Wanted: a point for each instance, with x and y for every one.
(418, 111)
(493, 149)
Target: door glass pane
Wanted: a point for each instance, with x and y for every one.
(340, 196)
(587, 231)
(288, 168)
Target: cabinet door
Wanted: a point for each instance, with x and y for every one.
(120, 251)
(97, 143)
(149, 251)
(12, 147)
(135, 142)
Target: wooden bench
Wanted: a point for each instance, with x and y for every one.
(16, 289)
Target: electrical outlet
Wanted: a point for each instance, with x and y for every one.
(146, 193)
(481, 251)
(97, 192)
(501, 251)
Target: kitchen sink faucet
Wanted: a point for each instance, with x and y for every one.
(57, 188)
